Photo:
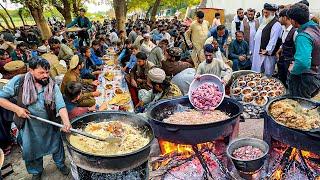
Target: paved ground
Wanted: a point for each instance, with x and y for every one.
(250, 128)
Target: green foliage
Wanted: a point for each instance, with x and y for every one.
(165, 4)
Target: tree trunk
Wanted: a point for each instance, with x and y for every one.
(21, 17)
(65, 11)
(5, 21)
(8, 15)
(120, 9)
(155, 9)
(37, 14)
(148, 12)
(75, 8)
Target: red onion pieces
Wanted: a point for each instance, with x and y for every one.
(206, 97)
(247, 153)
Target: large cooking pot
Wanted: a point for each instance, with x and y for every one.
(305, 103)
(191, 134)
(113, 163)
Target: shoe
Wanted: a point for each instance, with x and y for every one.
(64, 170)
(36, 176)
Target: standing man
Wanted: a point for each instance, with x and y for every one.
(221, 34)
(304, 79)
(237, 23)
(251, 26)
(84, 23)
(196, 36)
(239, 53)
(37, 94)
(287, 50)
(267, 41)
(216, 21)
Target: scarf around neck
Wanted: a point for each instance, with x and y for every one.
(30, 93)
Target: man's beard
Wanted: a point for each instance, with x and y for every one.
(250, 18)
(43, 82)
(209, 61)
(240, 18)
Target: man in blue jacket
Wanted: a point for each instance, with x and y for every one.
(221, 34)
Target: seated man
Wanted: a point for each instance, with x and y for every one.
(20, 53)
(94, 53)
(147, 45)
(61, 50)
(133, 60)
(157, 53)
(239, 53)
(73, 93)
(139, 72)
(125, 54)
(214, 66)
(4, 59)
(161, 88)
(173, 65)
(103, 45)
(73, 75)
(90, 70)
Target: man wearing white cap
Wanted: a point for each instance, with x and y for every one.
(161, 88)
(267, 41)
(147, 45)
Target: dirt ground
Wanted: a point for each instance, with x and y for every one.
(249, 128)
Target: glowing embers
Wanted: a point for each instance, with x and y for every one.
(292, 164)
(202, 161)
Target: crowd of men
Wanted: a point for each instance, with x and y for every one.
(159, 60)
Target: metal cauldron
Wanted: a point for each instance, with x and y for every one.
(191, 134)
(248, 166)
(113, 163)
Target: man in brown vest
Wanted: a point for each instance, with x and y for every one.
(251, 26)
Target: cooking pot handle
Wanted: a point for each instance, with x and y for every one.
(172, 129)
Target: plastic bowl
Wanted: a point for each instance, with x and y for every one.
(206, 78)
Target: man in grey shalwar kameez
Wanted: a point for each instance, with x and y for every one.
(37, 94)
(267, 41)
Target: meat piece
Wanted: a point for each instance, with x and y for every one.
(206, 97)
(247, 153)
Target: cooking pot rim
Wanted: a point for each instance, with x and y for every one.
(111, 156)
(195, 125)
